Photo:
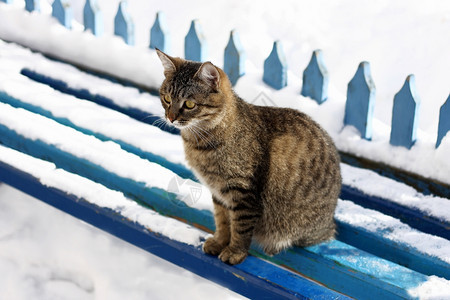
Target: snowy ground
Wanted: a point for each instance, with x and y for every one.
(397, 38)
(47, 254)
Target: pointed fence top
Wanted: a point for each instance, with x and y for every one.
(195, 43)
(444, 121)
(234, 42)
(360, 102)
(277, 54)
(364, 75)
(234, 58)
(410, 87)
(122, 12)
(123, 24)
(405, 115)
(275, 67)
(93, 18)
(159, 33)
(62, 11)
(315, 78)
(33, 5)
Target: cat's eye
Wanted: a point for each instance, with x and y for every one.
(167, 99)
(189, 104)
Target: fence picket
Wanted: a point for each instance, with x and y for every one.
(275, 67)
(93, 17)
(159, 34)
(33, 5)
(123, 24)
(234, 58)
(62, 11)
(195, 46)
(444, 121)
(405, 115)
(361, 101)
(315, 78)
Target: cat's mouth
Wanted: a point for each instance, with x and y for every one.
(180, 124)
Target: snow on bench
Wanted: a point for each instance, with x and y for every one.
(105, 162)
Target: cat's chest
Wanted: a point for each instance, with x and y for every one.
(212, 167)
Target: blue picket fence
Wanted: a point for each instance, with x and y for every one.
(360, 92)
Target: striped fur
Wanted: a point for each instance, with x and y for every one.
(273, 172)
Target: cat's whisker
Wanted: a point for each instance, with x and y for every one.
(204, 138)
(195, 136)
(161, 123)
(204, 134)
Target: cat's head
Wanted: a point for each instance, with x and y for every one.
(193, 93)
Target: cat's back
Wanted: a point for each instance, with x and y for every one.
(298, 147)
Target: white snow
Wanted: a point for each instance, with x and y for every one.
(435, 288)
(47, 254)
(392, 229)
(373, 184)
(397, 38)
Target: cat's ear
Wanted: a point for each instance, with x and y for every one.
(167, 62)
(209, 74)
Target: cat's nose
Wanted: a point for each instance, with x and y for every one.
(172, 117)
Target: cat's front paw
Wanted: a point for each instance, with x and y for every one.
(212, 246)
(232, 256)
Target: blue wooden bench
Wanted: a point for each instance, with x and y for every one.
(364, 262)
(360, 263)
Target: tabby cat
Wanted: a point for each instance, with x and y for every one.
(273, 172)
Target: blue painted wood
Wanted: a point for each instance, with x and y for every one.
(348, 270)
(399, 253)
(62, 11)
(123, 24)
(413, 217)
(195, 46)
(93, 17)
(234, 58)
(335, 264)
(254, 278)
(361, 101)
(405, 115)
(33, 5)
(315, 78)
(159, 34)
(275, 67)
(62, 86)
(444, 121)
